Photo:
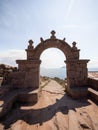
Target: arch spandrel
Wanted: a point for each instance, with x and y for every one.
(68, 51)
(63, 46)
(71, 53)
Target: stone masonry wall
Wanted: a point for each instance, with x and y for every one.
(17, 79)
(31, 68)
(93, 83)
(76, 69)
(76, 73)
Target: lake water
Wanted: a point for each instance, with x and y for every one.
(58, 72)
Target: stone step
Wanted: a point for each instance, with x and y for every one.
(23, 96)
(28, 96)
(73, 122)
(93, 94)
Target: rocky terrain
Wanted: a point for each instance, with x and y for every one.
(4, 71)
(55, 110)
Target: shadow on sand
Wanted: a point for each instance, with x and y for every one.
(34, 116)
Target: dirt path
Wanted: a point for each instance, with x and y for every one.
(54, 111)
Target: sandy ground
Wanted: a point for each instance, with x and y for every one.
(93, 75)
(54, 111)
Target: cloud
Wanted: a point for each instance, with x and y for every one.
(10, 56)
(52, 58)
(69, 8)
(74, 26)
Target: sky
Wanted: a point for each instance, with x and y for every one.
(21, 20)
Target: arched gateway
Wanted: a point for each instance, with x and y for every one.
(29, 69)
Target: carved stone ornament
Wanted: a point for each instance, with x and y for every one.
(53, 34)
(30, 46)
(74, 45)
(42, 40)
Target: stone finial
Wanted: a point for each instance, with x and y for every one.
(42, 40)
(74, 45)
(64, 39)
(53, 34)
(30, 46)
(30, 42)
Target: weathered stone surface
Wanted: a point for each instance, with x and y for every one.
(16, 80)
(93, 94)
(93, 83)
(24, 82)
(76, 68)
(28, 72)
(20, 95)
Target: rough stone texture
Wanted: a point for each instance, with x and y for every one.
(28, 96)
(93, 83)
(93, 88)
(25, 81)
(28, 74)
(23, 96)
(93, 94)
(16, 80)
(77, 73)
(76, 68)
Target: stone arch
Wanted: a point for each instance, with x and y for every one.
(76, 68)
(61, 45)
(69, 52)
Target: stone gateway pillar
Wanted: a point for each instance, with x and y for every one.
(77, 74)
(75, 67)
(31, 69)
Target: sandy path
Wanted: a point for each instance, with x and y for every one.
(54, 111)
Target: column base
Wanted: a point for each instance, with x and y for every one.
(78, 92)
(28, 97)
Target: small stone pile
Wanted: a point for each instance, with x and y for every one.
(4, 71)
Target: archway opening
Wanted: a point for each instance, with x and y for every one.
(53, 64)
(53, 73)
(53, 67)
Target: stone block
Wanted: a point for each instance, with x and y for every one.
(28, 96)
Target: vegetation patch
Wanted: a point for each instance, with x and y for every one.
(62, 82)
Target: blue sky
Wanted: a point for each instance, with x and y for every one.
(21, 20)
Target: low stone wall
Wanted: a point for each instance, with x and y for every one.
(16, 79)
(78, 92)
(93, 83)
(20, 95)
